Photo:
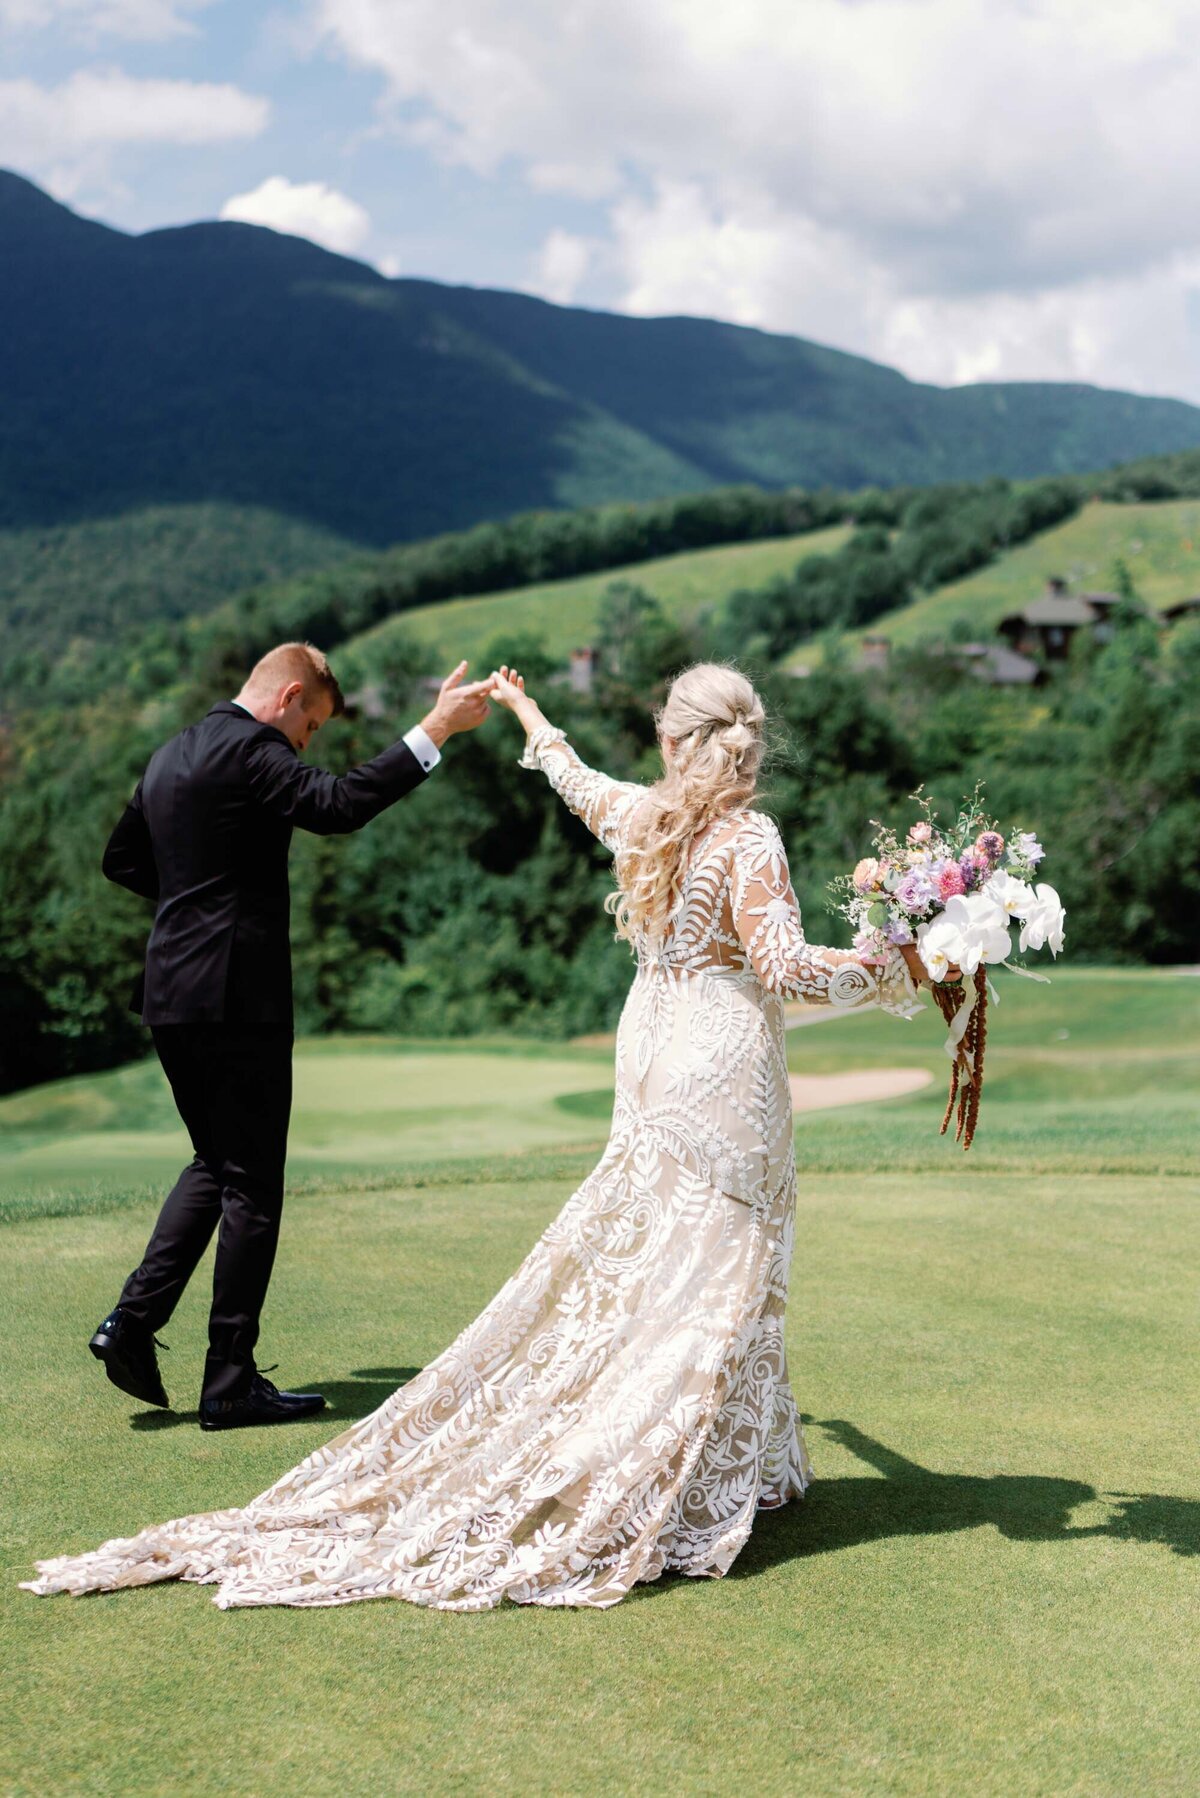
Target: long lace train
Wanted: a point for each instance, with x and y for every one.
(618, 1409)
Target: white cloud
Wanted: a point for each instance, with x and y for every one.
(303, 209)
(680, 252)
(756, 268)
(975, 185)
(145, 21)
(1141, 332)
(561, 265)
(67, 131)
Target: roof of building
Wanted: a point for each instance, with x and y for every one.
(991, 662)
(1005, 668)
(1053, 608)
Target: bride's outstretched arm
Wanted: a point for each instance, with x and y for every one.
(602, 802)
(767, 918)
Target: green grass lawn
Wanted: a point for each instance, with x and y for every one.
(989, 1589)
(1159, 540)
(563, 613)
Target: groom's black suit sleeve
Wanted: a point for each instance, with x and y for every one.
(329, 804)
(129, 856)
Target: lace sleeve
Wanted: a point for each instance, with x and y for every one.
(602, 803)
(767, 919)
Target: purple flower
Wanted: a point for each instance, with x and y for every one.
(915, 891)
(972, 870)
(990, 844)
(1026, 849)
(896, 931)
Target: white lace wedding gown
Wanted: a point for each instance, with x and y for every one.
(622, 1406)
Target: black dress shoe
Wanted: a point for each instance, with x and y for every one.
(126, 1347)
(264, 1403)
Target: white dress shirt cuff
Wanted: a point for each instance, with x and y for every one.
(423, 747)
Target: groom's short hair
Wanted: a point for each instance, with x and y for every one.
(303, 662)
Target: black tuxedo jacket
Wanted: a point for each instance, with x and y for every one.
(206, 836)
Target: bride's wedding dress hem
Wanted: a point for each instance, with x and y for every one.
(685, 1424)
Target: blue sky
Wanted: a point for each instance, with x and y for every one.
(967, 189)
(324, 124)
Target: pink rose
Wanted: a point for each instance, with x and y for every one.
(866, 875)
(920, 833)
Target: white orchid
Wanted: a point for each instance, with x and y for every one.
(937, 942)
(985, 929)
(1044, 921)
(972, 929)
(1014, 896)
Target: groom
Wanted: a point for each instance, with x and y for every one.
(206, 836)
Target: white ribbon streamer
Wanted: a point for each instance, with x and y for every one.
(1028, 973)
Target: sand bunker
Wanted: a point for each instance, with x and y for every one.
(819, 1092)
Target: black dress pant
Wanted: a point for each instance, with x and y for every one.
(233, 1088)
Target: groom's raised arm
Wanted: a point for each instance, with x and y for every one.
(128, 856)
(331, 804)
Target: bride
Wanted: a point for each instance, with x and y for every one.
(622, 1406)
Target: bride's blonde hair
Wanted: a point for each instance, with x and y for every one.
(714, 719)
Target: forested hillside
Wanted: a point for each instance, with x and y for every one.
(74, 587)
(1158, 541)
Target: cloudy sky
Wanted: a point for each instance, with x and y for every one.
(967, 189)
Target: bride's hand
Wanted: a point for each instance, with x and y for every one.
(507, 688)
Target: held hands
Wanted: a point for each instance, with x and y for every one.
(464, 705)
(458, 707)
(508, 687)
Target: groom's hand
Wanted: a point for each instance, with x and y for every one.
(459, 707)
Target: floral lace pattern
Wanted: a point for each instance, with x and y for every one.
(622, 1406)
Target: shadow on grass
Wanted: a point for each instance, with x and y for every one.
(911, 1500)
(345, 1400)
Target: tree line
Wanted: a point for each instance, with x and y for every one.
(476, 903)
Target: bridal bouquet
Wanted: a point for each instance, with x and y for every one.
(957, 893)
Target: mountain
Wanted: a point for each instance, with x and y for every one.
(227, 363)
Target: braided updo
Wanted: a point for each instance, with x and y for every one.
(711, 730)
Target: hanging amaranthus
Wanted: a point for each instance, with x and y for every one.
(966, 1072)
